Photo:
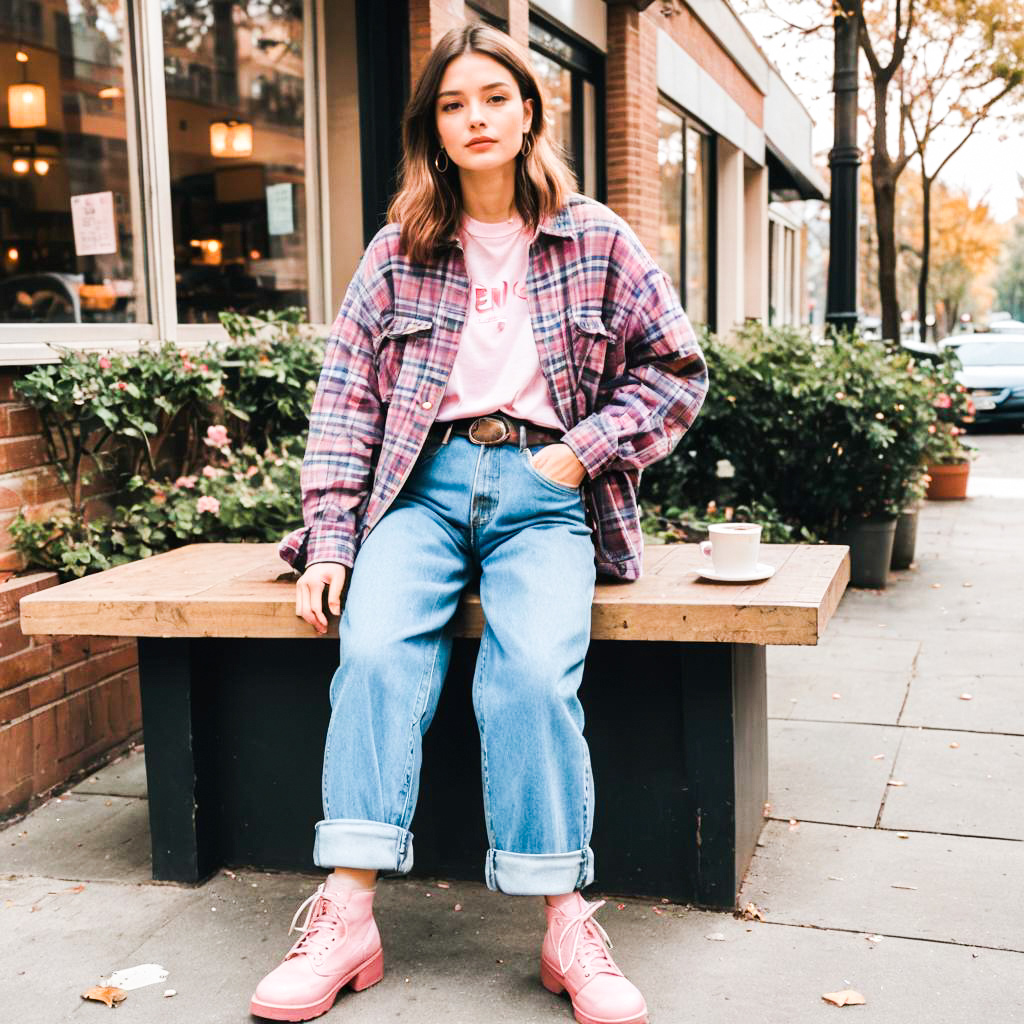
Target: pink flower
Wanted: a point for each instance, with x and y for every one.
(943, 402)
(158, 498)
(212, 472)
(932, 429)
(208, 504)
(121, 386)
(203, 368)
(251, 471)
(217, 436)
(188, 482)
(104, 363)
(183, 352)
(188, 366)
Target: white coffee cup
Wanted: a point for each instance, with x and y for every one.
(732, 548)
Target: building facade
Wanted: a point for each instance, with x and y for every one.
(160, 162)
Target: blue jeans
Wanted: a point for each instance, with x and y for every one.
(468, 512)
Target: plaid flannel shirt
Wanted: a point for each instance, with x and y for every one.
(624, 370)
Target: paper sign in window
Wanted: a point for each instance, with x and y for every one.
(92, 216)
(280, 219)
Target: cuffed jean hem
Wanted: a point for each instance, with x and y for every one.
(538, 874)
(355, 843)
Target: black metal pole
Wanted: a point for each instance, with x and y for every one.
(844, 162)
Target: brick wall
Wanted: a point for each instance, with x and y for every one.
(65, 702)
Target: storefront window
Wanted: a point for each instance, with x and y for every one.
(670, 172)
(235, 103)
(684, 223)
(572, 77)
(71, 218)
(698, 254)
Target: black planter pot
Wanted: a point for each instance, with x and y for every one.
(905, 541)
(870, 542)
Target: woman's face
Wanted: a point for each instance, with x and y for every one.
(479, 98)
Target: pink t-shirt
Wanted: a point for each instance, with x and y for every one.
(497, 368)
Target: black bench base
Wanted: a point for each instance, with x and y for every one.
(234, 733)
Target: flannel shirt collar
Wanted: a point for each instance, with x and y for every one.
(560, 224)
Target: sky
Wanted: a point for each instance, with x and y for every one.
(986, 167)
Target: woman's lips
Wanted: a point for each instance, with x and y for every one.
(482, 144)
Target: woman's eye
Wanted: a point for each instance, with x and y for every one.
(449, 106)
(500, 98)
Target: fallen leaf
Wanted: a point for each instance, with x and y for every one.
(620, 906)
(658, 910)
(836, 878)
(715, 937)
(936, 586)
(751, 912)
(105, 994)
(895, 782)
(845, 998)
(428, 894)
(443, 885)
(458, 907)
(793, 824)
(108, 803)
(954, 745)
(664, 900)
(874, 938)
(968, 584)
(169, 992)
(878, 757)
(230, 874)
(914, 887)
(902, 835)
(76, 888)
(837, 696)
(966, 696)
(767, 809)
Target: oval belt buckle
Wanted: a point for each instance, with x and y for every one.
(488, 430)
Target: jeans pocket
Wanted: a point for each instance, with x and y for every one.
(553, 484)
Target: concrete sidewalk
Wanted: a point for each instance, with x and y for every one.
(932, 866)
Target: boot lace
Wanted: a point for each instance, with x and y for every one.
(586, 941)
(319, 931)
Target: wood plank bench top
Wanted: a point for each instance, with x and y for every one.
(245, 590)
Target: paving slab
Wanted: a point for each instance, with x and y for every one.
(124, 776)
(863, 696)
(972, 789)
(967, 890)
(55, 942)
(81, 837)
(836, 653)
(1004, 657)
(849, 785)
(996, 704)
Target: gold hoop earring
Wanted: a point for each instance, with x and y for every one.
(437, 157)
(527, 147)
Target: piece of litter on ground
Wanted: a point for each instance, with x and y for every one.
(715, 937)
(878, 757)
(836, 878)
(105, 994)
(845, 998)
(443, 885)
(902, 835)
(837, 696)
(458, 906)
(914, 887)
(128, 978)
(936, 586)
(751, 912)
(874, 938)
(968, 584)
(620, 906)
(966, 696)
(168, 992)
(954, 745)
(76, 888)
(658, 910)
(895, 782)
(793, 825)
(428, 894)
(230, 874)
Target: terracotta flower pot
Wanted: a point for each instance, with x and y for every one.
(949, 482)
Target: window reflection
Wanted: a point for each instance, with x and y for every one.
(697, 226)
(557, 83)
(70, 213)
(670, 221)
(235, 96)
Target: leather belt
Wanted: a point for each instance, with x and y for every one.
(496, 429)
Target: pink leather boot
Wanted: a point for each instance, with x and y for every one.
(574, 957)
(340, 945)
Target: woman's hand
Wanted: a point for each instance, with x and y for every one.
(309, 593)
(558, 462)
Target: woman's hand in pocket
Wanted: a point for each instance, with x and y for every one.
(309, 593)
(558, 462)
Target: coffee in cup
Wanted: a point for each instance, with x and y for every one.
(732, 548)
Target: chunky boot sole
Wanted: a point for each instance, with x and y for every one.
(367, 974)
(552, 981)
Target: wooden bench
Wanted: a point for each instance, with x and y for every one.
(235, 710)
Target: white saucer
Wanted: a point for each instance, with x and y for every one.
(761, 572)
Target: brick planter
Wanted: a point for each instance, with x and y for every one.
(65, 702)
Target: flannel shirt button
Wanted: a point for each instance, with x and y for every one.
(426, 405)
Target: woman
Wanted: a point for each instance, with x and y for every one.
(506, 360)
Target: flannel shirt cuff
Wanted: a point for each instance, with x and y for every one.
(318, 543)
(591, 444)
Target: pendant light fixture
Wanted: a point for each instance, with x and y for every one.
(231, 138)
(26, 101)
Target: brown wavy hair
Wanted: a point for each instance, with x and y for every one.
(428, 203)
